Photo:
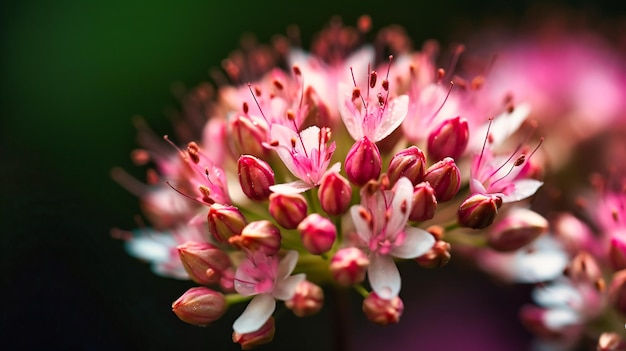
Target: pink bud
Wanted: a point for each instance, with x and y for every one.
(438, 256)
(363, 162)
(573, 234)
(448, 139)
(335, 193)
(610, 342)
(517, 229)
(262, 336)
(410, 163)
(478, 211)
(424, 202)
(203, 262)
(288, 209)
(617, 252)
(199, 306)
(318, 233)
(248, 135)
(382, 311)
(224, 222)
(260, 236)
(617, 291)
(307, 300)
(255, 176)
(348, 266)
(445, 177)
(534, 319)
(583, 269)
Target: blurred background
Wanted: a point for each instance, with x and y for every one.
(74, 73)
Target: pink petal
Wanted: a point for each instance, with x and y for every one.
(384, 276)
(523, 189)
(351, 117)
(476, 187)
(416, 243)
(402, 197)
(256, 314)
(287, 264)
(394, 115)
(286, 288)
(360, 225)
(502, 126)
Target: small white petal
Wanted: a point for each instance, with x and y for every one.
(351, 117)
(557, 319)
(286, 288)
(256, 314)
(295, 187)
(417, 242)
(544, 262)
(402, 197)
(154, 247)
(559, 294)
(394, 116)
(360, 225)
(384, 276)
(502, 126)
(287, 264)
(523, 189)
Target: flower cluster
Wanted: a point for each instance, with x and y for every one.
(334, 167)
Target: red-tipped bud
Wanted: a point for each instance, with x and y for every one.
(307, 300)
(445, 177)
(318, 234)
(517, 229)
(248, 135)
(610, 342)
(288, 209)
(200, 306)
(448, 139)
(260, 236)
(382, 311)
(617, 291)
(583, 269)
(478, 211)
(334, 193)
(410, 163)
(255, 176)
(424, 202)
(224, 222)
(438, 256)
(617, 252)
(363, 162)
(348, 266)
(262, 336)
(203, 262)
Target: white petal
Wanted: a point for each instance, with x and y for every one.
(544, 262)
(359, 62)
(285, 289)
(256, 314)
(360, 225)
(351, 117)
(287, 264)
(384, 276)
(402, 197)
(523, 189)
(295, 187)
(502, 126)
(155, 247)
(559, 294)
(417, 242)
(394, 116)
(556, 319)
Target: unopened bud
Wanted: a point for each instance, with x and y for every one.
(610, 342)
(262, 236)
(199, 306)
(424, 202)
(224, 222)
(262, 336)
(583, 269)
(617, 291)
(348, 266)
(445, 178)
(437, 256)
(249, 134)
(318, 234)
(617, 252)
(288, 209)
(517, 229)
(335, 193)
(203, 262)
(410, 163)
(573, 233)
(307, 300)
(382, 311)
(255, 177)
(478, 211)
(363, 162)
(448, 139)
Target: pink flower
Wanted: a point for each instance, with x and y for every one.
(306, 154)
(381, 222)
(267, 279)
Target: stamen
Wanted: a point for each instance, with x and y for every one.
(373, 79)
(246, 108)
(185, 195)
(443, 103)
(482, 151)
(257, 102)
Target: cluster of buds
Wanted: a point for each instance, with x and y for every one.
(337, 173)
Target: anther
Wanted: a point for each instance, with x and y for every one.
(278, 85)
(246, 108)
(373, 79)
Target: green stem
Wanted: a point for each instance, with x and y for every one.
(232, 299)
(361, 290)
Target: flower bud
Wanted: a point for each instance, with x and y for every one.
(445, 177)
(438, 256)
(534, 319)
(617, 291)
(200, 306)
(255, 177)
(335, 193)
(424, 202)
(262, 336)
(260, 236)
(518, 228)
(224, 222)
(318, 234)
(610, 342)
(203, 262)
(248, 135)
(448, 139)
(583, 269)
(382, 311)
(617, 252)
(288, 209)
(478, 211)
(307, 300)
(410, 163)
(348, 266)
(573, 233)
(363, 162)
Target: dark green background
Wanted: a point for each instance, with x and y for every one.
(73, 73)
